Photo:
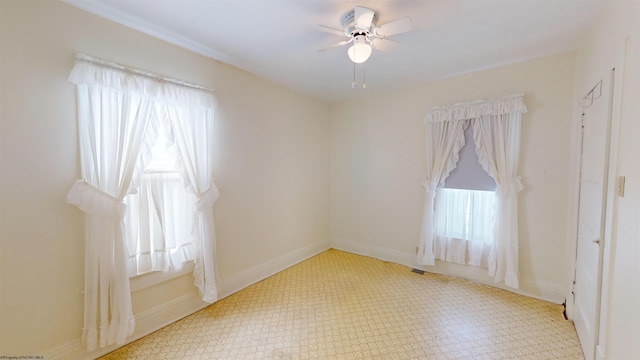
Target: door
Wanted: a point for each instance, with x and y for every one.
(596, 123)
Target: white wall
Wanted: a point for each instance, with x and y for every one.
(272, 167)
(377, 164)
(620, 314)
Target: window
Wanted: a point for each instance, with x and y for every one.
(464, 210)
(496, 125)
(159, 215)
(133, 126)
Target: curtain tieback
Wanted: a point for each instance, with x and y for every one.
(92, 200)
(510, 187)
(428, 189)
(208, 198)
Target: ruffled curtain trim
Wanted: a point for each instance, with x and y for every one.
(209, 293)
(476, 109)
(150, 137)
(430, 185)
(461, 251)
(115, 333)
(92, 72)
(160, 260)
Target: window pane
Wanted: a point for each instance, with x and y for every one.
(465, 214)
(463, 221)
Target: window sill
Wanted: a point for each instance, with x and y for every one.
(143, 281)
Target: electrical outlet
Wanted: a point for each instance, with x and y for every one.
(620, 186)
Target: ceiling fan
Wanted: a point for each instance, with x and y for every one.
(360, 28)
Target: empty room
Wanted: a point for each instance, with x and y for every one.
(292, 179)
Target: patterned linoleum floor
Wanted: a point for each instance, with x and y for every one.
(338, 305)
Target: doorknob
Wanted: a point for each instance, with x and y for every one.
(596, 241)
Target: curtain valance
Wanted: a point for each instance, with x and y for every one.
(91, 71)
(476, 109)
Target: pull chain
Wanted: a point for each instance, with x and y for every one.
(353, 84)
(364, 76)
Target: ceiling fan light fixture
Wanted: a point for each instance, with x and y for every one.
(360, 51)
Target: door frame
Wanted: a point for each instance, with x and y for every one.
(610, 61)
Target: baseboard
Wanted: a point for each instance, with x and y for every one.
(374, 251)
(146, 322)
(537, 289)
(158, 317)
(262, 271)
(551, 292)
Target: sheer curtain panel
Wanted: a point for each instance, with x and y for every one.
(160, 213)
(159, 234)
(111, 124)
(444, 141)
(464, 221)
(117, 108)
(497, 138)
(193, 135)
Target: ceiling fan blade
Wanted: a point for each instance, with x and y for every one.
(341, 43)
(331, 30)
(384, 44)
(363, 17)
(395, 27)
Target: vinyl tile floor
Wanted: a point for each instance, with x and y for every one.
(338, 305)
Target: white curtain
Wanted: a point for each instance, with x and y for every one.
(444, 141)
(160, 214)
(159, 233)
(115, 107)
(496, 127)
(193, 135)
(111, 125)
(497, 138)
(464, 222)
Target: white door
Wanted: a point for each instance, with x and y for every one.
(591, 217)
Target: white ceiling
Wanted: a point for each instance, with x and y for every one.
(279, 39)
